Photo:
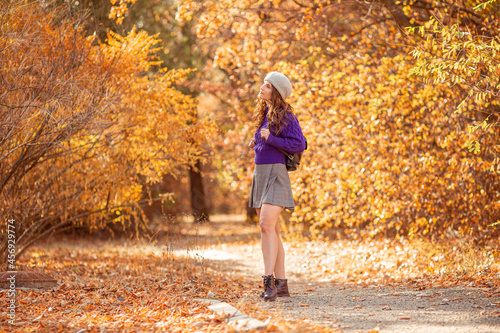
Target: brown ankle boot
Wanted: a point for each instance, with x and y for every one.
(282, 287)
(270, 291)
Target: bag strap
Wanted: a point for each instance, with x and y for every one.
(290, 156)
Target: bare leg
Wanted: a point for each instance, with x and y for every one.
(268, 217)
(279, 267)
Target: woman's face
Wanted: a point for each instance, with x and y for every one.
(265, 91)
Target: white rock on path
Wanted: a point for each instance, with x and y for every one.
(236, 317)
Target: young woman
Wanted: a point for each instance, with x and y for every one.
(277, 127)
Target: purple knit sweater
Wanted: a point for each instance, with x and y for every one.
(290, 140)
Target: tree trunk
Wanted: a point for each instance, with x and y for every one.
(198, 199)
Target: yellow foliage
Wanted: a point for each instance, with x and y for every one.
(388, 153)
(85, 124)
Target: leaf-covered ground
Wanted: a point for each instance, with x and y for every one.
(117, 286)
(124, 285)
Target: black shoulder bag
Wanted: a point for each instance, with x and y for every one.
(292, 160)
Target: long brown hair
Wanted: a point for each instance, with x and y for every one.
(278, 112)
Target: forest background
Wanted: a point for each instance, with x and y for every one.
(130, 112)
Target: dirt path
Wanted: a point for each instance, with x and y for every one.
(358, 308)
(392, 310)
(348, 307)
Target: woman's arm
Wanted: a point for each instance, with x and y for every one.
(291, 138)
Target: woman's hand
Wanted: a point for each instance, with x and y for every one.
(252, 143)
(264, 133)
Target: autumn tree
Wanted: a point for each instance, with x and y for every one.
(388, 154)
(83, 122)
(467, 55)
(183, 50)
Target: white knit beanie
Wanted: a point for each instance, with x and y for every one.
(281, 83)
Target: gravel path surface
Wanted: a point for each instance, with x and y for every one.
(374, 308)
(392, 309)
(324, 299)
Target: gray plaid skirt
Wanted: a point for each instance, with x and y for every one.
(271, 185)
